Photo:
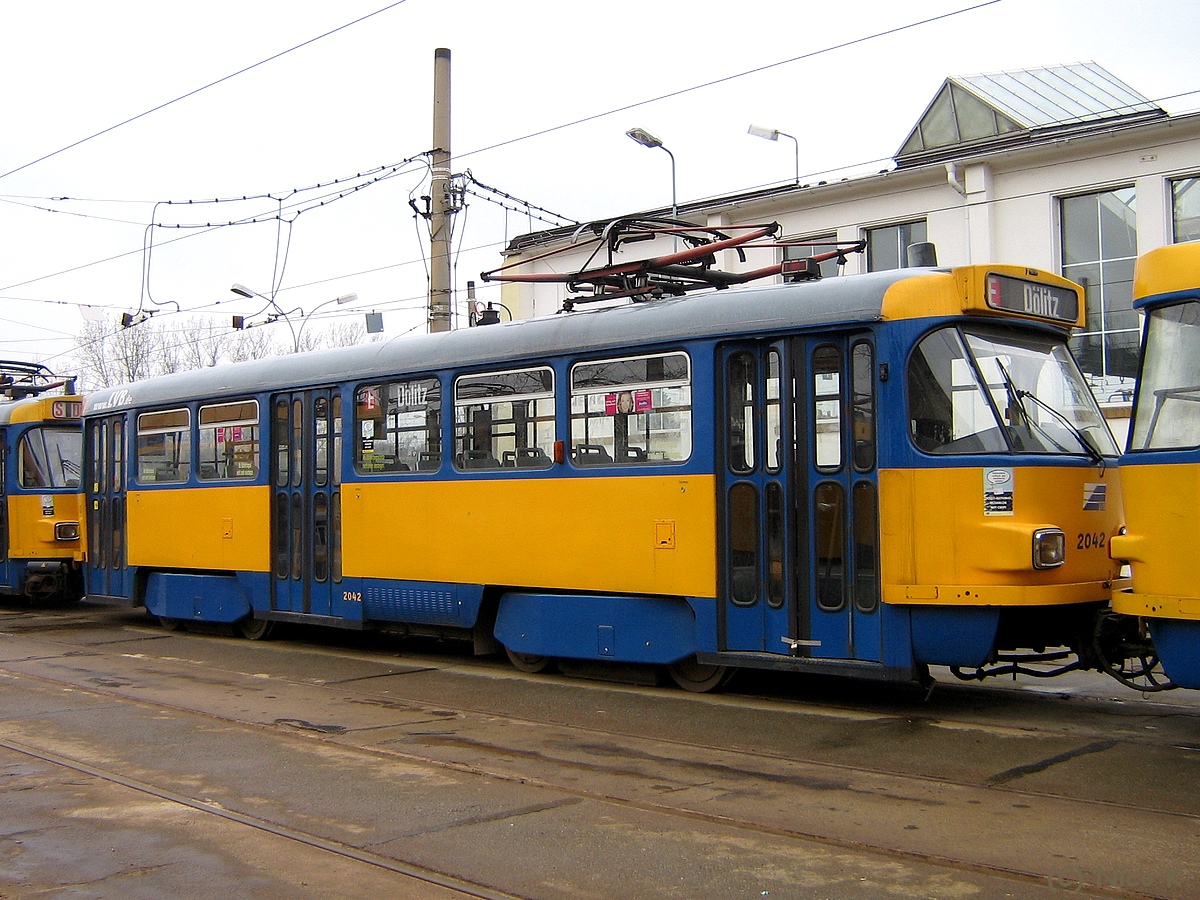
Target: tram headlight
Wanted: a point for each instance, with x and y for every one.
(1049, 548)
(66, 531)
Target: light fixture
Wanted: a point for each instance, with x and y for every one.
(774, 134)
(646, 139)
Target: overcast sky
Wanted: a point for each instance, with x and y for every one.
(543, 92)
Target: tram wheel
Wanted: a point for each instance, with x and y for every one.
(169, 624)
(698, 677)
(528, 662)
(255, 629)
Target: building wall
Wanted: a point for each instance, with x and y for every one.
(1004, 208)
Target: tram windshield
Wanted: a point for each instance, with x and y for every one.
(1000, 390)
(50, 457)
(1167, 413)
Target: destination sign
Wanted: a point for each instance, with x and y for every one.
(1046, 301)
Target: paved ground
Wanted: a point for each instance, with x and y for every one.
(138, 762)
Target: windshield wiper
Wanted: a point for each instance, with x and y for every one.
(1079, 434)
(1093, 453)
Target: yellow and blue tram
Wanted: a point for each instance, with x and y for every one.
(865, 475)
(41, 496)
(1161, 465)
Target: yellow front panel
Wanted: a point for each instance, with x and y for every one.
(201, 528)
(938, 546)
(1166, 270)
(644, 535)
(964, 290)
(1162, 510)
(31, 529)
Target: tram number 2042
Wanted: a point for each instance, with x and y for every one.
(1091, 540)
(351, 596)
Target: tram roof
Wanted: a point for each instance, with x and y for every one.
(744, 310)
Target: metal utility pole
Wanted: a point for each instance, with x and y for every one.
(441, 205)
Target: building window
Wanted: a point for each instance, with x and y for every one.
(887, 247)
(1185, 209)
(811, 247)
(1099, 241)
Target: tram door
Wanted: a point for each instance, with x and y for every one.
(107, 572)
(837, 403)
(757, 431)
(306, 438)
(799, 565)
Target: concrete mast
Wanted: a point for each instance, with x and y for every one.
(441, 205)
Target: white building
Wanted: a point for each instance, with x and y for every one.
(1064, 168)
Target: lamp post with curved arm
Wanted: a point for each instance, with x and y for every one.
(279, 313)
(774, 134)
(646, 139)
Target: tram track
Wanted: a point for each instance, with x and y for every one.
(683, 761)
(299, 837)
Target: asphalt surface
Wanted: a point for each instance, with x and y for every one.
(137, 762)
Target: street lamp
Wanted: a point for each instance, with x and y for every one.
(345, 298)
(774, 134)
(646, 139)
(239, 322)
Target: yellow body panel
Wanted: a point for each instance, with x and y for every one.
(1166, 270)
(31, 531)
(938, 547)
(963, 290)
(1163, 528)
(226, 527)
(41, 409)
(654, 535)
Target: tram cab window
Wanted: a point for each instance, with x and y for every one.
(631, 410)
(50, 458)
(1167, 414)
(398, 426)
(228, 440)
(1001, 390)
(164, 446)
(504, 420)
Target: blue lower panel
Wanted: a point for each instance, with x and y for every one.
(421, 603)
(954, 635)
(1178, 644)
(591, 626)
(202, 598)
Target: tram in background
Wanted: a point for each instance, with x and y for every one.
(41, 463)
(1161, 466)
(864, 475)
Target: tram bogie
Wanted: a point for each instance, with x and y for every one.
(866, 475)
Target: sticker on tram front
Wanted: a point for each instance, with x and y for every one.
(1094, 496)
(998, 492)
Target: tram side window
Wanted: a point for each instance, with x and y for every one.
(228, 440)
(164, 446)
(948, 411)
(399, 426)
(50, 458)
(504, 420)
(631, 410)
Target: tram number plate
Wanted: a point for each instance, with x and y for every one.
(1091, 540)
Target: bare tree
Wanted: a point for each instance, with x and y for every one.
(107, 354)
(253, 343)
